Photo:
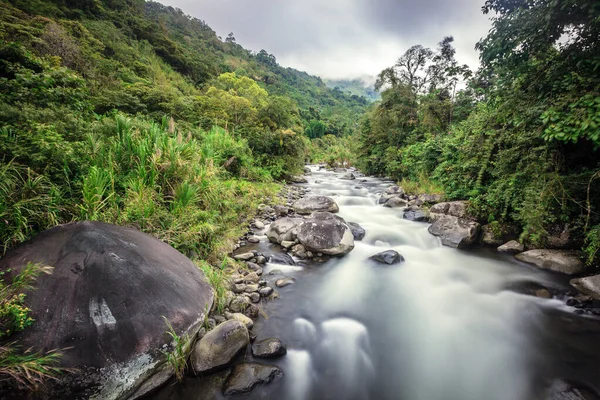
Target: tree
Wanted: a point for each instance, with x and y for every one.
(230, 38)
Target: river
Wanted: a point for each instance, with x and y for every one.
(445, 324)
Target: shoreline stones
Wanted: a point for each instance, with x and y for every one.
(310, 204)
(564, 261)
(268, 348)
(283, 230)
(451, 224)
(511, 247)
(244, 377)
(589, 285)
(219, 346)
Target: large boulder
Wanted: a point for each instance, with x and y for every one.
(564, 261)
(104, 305)
(310, 204)
(218, 347)
(395, 191)
(416, 215)
(283, 229)
(357, 231)
(589, 285)
(454, 232)
(326, 233)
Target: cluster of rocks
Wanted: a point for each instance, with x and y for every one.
(313, 230)
(451, 222)
(218, 349)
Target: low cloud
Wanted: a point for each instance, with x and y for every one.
(340, 39)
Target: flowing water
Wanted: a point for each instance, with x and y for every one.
(445, 324)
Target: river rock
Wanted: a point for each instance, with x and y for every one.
(388, 257)
(297, 179)
(326, 233)
(281, 259)
(564, 261)
(266, 291)
(456, 209)
(244, 377)
(104, 304)
(348, 177)
(430, 198)
(415, 215)
(259, 224)
(268, 348)
(395, 190)
(589, 285)
(239, 317)
(253, 239)
(310, 204)
(252, 277)
(283, 230)
(307, 170)
(281, 211)
(218, 347)
(395, 202)
(357, 231)
(511, 247)
(244, 256)
(283, 282)
(454, 232)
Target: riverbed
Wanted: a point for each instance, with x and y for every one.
(445, 324)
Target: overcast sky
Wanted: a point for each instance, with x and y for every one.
(341, 39)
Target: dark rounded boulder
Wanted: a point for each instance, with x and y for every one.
(104, 305)
(268, 348)
(357, 231)
(244, 377)
(388, 257)
(326, 233)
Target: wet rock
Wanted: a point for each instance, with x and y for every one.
(253, 239)
(244, 377)
(239, 317)
(454, 232)
(244, 256)
(261, 260)
(239, 304)
(318, 181)
(561, 390)
(254, 266)
(218, 347)
(251, 288)
(388, 257)
(415, 215)
(266, 291)
(348, 177)
(282, 259)
(299, 251)
(326, 233)
(268, 348)
(238, 288)
(395, 202)
(307, 170)
(310, 204)
(252, 277)
(104, 301)
(284, 229)
(283, 282)
(563, 261)
(357, 231)
(287, 244)
(254, 297)
(259, 225)
(275, 272)
(511, 247)
(281, 211)
(589, 285)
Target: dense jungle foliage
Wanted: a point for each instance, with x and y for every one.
(522, 140)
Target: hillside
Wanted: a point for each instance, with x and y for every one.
(355, 87)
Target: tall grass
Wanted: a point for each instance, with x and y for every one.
(25, 369)
(182, 346)
(423, 185)
(29, 203)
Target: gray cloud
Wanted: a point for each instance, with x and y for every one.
(343, 38)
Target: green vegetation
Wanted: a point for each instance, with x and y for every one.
(24, 369)
(355, 87)
(521, 141)
(182, 347)
(131, 112)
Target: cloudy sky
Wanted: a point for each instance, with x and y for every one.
(341, 39)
